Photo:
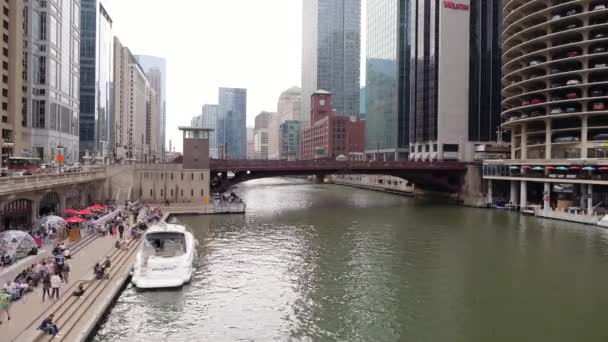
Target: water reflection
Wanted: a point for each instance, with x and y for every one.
(323, 263)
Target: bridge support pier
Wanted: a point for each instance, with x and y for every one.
(318, 179)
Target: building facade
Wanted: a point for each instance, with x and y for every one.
(331, 135)
(51, 78)
(250, 143)
(448, 117)
(387, 88)
(96, 81)
(137, 111)
(289, 140)
(12, 124)
(232, 132)
(261, 134)
(331, 45)
(208, 119)
(554, 106)
(156, 72)
(288, 108)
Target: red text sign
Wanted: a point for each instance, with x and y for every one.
(456, 6)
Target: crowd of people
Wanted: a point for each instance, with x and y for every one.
(52, 272)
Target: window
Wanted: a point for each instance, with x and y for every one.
(171, 192)
(191, 192)
(151, 193)
(192, 176)
(5, 24)
(4, 106)
(182, 192)
(202, 177)
(161, 192)
(161, 178)
(202, 193)
(171, 179)
(5, 52)
(182, 179)
(5, 38)
(450, 147)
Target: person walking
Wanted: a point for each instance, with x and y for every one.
(5, 303)
(66, 272)
(55, 285)
(46, 285)
(121, 230)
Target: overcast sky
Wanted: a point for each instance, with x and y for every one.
(253, 44)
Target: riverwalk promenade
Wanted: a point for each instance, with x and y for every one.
(75, 317)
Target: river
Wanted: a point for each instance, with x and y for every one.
(330, 263)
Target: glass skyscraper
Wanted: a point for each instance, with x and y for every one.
(331, 45)
(96, 80)
(485, 69)
(387, 81)
(232, 117)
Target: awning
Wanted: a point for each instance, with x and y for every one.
(74, 219)
(70, 211)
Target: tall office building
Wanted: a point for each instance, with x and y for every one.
(260, 134)
(362, 110)
(387, 80)
(250, 143)
(288, 108)
(331, 45)
(96, 80)
(453, 90)
(12, 123)
(136, 103)
(51, 78)
(156, 72)
(232, 134)
(208, 119)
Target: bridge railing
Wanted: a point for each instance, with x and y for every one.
(323, 164)
(23, 183)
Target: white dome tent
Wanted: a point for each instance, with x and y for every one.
(16, 243)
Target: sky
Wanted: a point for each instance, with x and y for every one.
(253, 44)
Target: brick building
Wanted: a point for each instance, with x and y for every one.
(330, 134)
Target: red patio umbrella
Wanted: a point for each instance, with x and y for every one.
(70, 211)
(526, 167)
(603, 168)
(575, 168)
(83, 212)
(549, 168)
(96, 207)
(74, 219)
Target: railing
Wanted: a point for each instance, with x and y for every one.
(23, 183)
(325, 164)
(573, 216)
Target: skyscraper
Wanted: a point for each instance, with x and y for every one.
(260, 134)
(454, 95)
(136, 103)
(12, 142)
(96, 80)
(288, 108)
(232, 134)
(156, 72)
(208, 119)
(331, 44)
(52, 68)
(387, 80)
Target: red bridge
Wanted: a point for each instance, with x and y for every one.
(446, 176)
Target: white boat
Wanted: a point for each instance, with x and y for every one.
(165, 258)
(603, 222)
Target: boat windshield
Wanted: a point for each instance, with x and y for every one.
(165, 244)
